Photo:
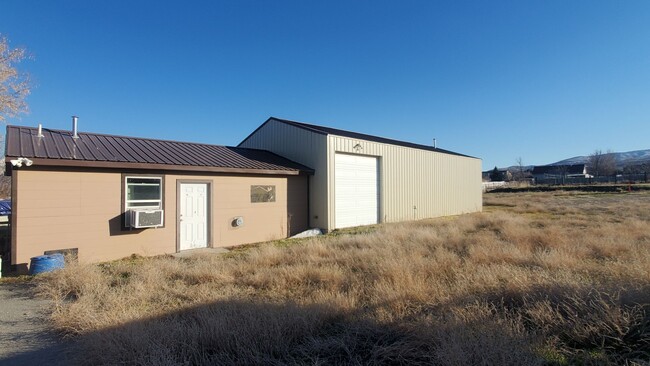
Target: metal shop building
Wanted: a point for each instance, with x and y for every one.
(105, 197)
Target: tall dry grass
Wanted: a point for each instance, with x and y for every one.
(537, 278)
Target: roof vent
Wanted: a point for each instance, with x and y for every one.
(40, 130)
(74, 127)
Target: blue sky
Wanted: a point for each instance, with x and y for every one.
(541, 80)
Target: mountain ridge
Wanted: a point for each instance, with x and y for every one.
(622, 158)
(627, 158)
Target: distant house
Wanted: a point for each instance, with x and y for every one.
(560, 171)
(506, 175)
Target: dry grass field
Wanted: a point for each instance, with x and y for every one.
(537, 278)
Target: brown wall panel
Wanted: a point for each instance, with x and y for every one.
(298, 204)
(60, 210)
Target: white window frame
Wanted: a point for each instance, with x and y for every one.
(157, 203)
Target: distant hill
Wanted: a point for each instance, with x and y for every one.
(622, 158)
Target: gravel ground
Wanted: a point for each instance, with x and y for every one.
(25, 338)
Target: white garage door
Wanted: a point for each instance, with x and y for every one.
(356, 190)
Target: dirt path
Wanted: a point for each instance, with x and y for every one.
(25, 338)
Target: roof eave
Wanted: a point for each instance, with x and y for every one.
(147, 166)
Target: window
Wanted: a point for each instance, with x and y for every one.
(141, 192)
(262, 194)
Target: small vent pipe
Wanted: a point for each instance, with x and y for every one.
(74, 127)
(434, 143)
(40, 130)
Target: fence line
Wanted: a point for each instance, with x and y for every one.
(620, 178)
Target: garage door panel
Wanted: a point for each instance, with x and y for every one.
(356, 193)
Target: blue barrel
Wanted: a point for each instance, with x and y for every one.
(46, 263)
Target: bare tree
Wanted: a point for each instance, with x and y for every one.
(520, 169)
(602, 163)
(14, 86)
(594, 162)
(562, 171)
(5, 182)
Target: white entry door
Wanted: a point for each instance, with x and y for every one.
(193, 216)
(356, 190)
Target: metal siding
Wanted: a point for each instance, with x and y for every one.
(437, 184)
(304, 147)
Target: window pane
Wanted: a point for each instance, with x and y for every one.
(143, 189)
(142, 180)
(155, 204)
(143, 192)
(262, 193)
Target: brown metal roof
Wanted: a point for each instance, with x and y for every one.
(58, 148)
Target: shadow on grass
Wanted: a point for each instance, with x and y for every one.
(502, 327)
(53, 354)
(541, 325)
(258, 333)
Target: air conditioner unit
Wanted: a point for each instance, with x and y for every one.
(146, 218)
